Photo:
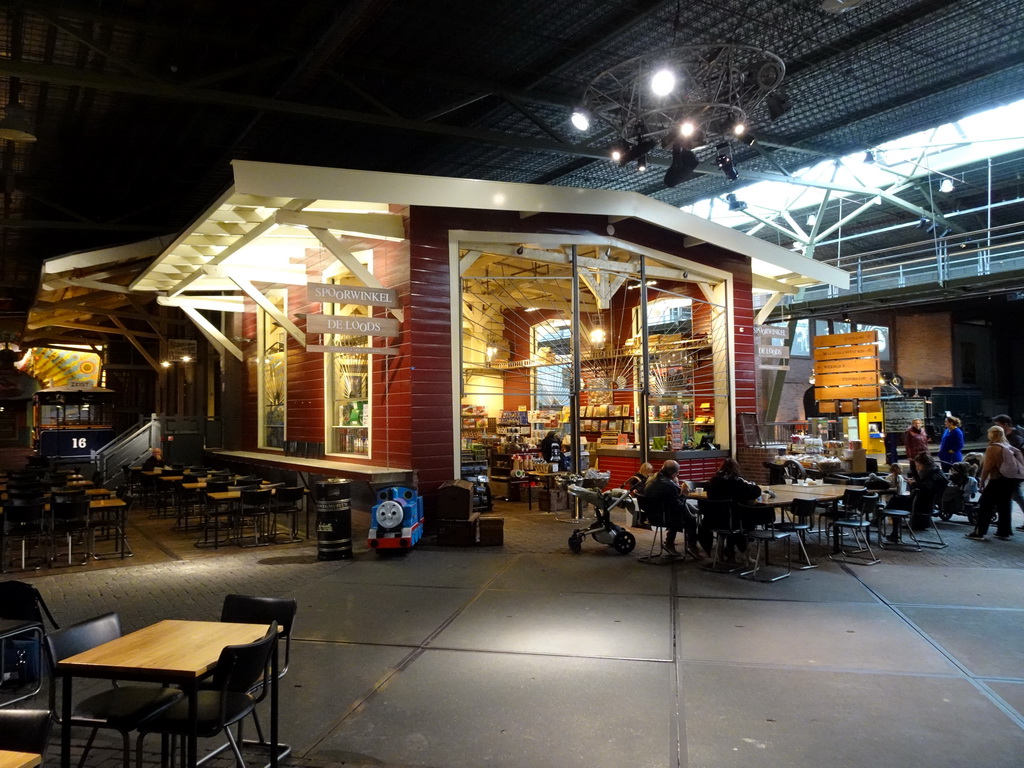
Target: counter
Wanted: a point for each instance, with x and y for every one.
(623, 462)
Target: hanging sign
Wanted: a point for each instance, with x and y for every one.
(352, 325)
(182, 350)
(365, 296)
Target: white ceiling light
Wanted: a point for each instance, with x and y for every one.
(16, 125)
(663, 82)
(686, 128)
(581, 119)
(947, 186)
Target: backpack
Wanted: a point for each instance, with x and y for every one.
(1012, 463)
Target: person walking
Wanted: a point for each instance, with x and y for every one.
(952, 444)
(915, 440)
(996, 490)
(1014, 437)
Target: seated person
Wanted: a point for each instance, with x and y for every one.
(551, 447)
(635, 485)
(896, 481)
(727, 485)
(926, 490)
(664, 488)
(155, 461)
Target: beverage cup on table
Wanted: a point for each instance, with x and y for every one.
(788, 480)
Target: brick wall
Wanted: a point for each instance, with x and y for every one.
(923, 351)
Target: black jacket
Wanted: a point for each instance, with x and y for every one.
(731, 488)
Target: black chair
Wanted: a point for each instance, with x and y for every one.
(758, 524)
(227, 701)
(111, 524)
(716, 517)
(288, 502)
(217, 515)
(250, 609)
(801, 513)
(24, 521)
(22, 609)
(70, 518)
(655, 514)
(254, 511)
(848, 505)
(25, 730)
(122, 708)
(857, 524)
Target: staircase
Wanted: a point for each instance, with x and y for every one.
(127, 449)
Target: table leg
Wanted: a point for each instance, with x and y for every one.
(274, 704)
(193, 724)
(65, 724)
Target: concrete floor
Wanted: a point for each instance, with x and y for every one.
(526, 655)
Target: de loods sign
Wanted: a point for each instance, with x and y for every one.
(352, 325)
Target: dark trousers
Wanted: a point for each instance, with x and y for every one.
(997, 499)
(680, 518)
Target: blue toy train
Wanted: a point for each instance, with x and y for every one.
(396, 520)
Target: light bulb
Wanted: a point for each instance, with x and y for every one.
(580, 119)
(739, 128)
(663, 82)
(686, 128)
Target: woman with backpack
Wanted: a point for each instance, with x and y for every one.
(999, 479)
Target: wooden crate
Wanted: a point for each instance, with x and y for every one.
(554, 501)
(492, 531)
(458, 533)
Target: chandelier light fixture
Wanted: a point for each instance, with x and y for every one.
(683, 100)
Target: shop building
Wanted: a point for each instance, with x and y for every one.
(371, 322)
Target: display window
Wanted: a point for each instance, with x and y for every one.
(347, 376)
(605, 354)
(272, 372)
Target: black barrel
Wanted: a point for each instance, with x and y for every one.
(333, 519)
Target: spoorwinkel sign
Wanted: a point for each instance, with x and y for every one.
(362, 295)
(352, 325)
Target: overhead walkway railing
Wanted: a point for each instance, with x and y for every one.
(130, 447)
(983, 260)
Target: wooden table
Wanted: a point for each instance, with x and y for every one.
(170, 652)
(19, 759)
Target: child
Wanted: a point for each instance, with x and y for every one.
(896, 480)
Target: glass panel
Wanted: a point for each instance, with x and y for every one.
(273, 373)
(688, 373)
(348, 378)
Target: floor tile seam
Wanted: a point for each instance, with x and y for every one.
(792, 600)
(996, 700)
(549, 654)
(666, 593)
(381, 683)
(822, 668)
(1000, 608)
(677, 729)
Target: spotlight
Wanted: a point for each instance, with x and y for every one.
(921, 224)
(724, 161)
(947, 186)
(641, 163)
(778, 105)
(519, 250)
(869, 157)
(581, 119)
(812, 219)
(846, 317)
(932, 228)
(634, 151)
(739, 128)
(734, 204)
(684, 162)
(686, 128)
(748, 138)
(619, 150)
(946, 232)
(663, 82)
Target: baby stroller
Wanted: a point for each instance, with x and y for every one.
(959, 496)
(603, 530)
